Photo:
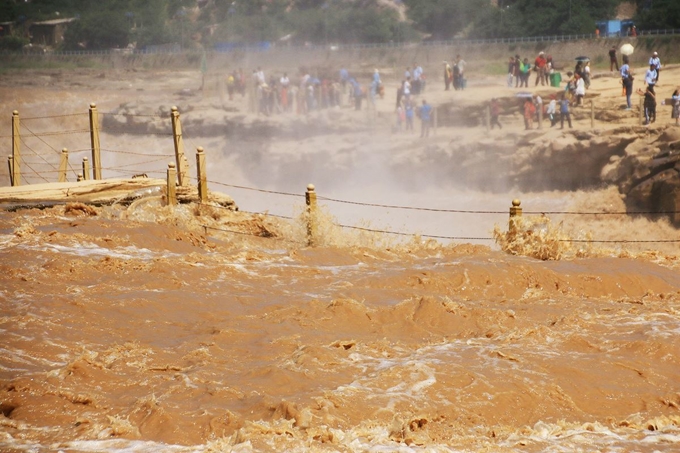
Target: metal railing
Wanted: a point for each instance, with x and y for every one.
(274, 47)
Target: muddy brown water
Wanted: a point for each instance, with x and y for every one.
(137, 336)
(133, 331)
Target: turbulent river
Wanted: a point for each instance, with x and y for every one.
(129, 329)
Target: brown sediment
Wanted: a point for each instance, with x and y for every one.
(198, 325)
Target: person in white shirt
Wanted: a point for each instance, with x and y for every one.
(407, 89)
(551, 111)
(580, 90)
(651, 76)
(657, 64)
(260, 76)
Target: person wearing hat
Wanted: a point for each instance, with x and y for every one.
(656, 62)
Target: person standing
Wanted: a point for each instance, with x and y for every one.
(448, 75)
(460, 63)
(651, 76)
(511, 71)
(539, 64)
(551, 111)
(408, 107)
(627, 81)
(417, 79)
(401, 118)
(518, 71)
(564, 111)
(231, 84)
(676, 107)
(358, 95)
(425, 119)
(285, 85)
(586, 74)
(400, 93)
(495, 111)
(259, 76)
(656, 62)
(580, 90)
(529, 112)
(525, 69)
(649, 105)
(613, 60)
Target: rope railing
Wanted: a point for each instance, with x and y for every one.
(109, 130)
(95, 128)
(458, 238)
(311, 197)
(233, 186)
(135, 153)
(460, 211)
(454, 238)
(65, 115)
(135, 115)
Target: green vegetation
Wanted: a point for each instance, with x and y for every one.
(658, 14)
(118, 23)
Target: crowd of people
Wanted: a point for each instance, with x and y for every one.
(305, 93)
(455, 75)
(520, 69)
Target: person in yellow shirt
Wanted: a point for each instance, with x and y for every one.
(448, 76)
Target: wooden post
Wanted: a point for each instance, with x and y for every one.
(86, 168)
(592, 114)
(182, 165)
(172, 181)
(10, 164)
(515, 214)
(310, 198)
(94, 140)
(63, 165)
(487, 117)
(202, 177)
(16, 149)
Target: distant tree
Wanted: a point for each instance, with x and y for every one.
(97, 31)
(658, 14)
(446, 18)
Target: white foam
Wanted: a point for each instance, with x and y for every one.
(90, 249)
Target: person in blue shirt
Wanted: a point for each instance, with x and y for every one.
(425, 119)
(627, 81)
(564, 111)
(408, 106)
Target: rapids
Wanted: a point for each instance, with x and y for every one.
(136, 329)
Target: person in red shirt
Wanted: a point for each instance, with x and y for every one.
(539, 65)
